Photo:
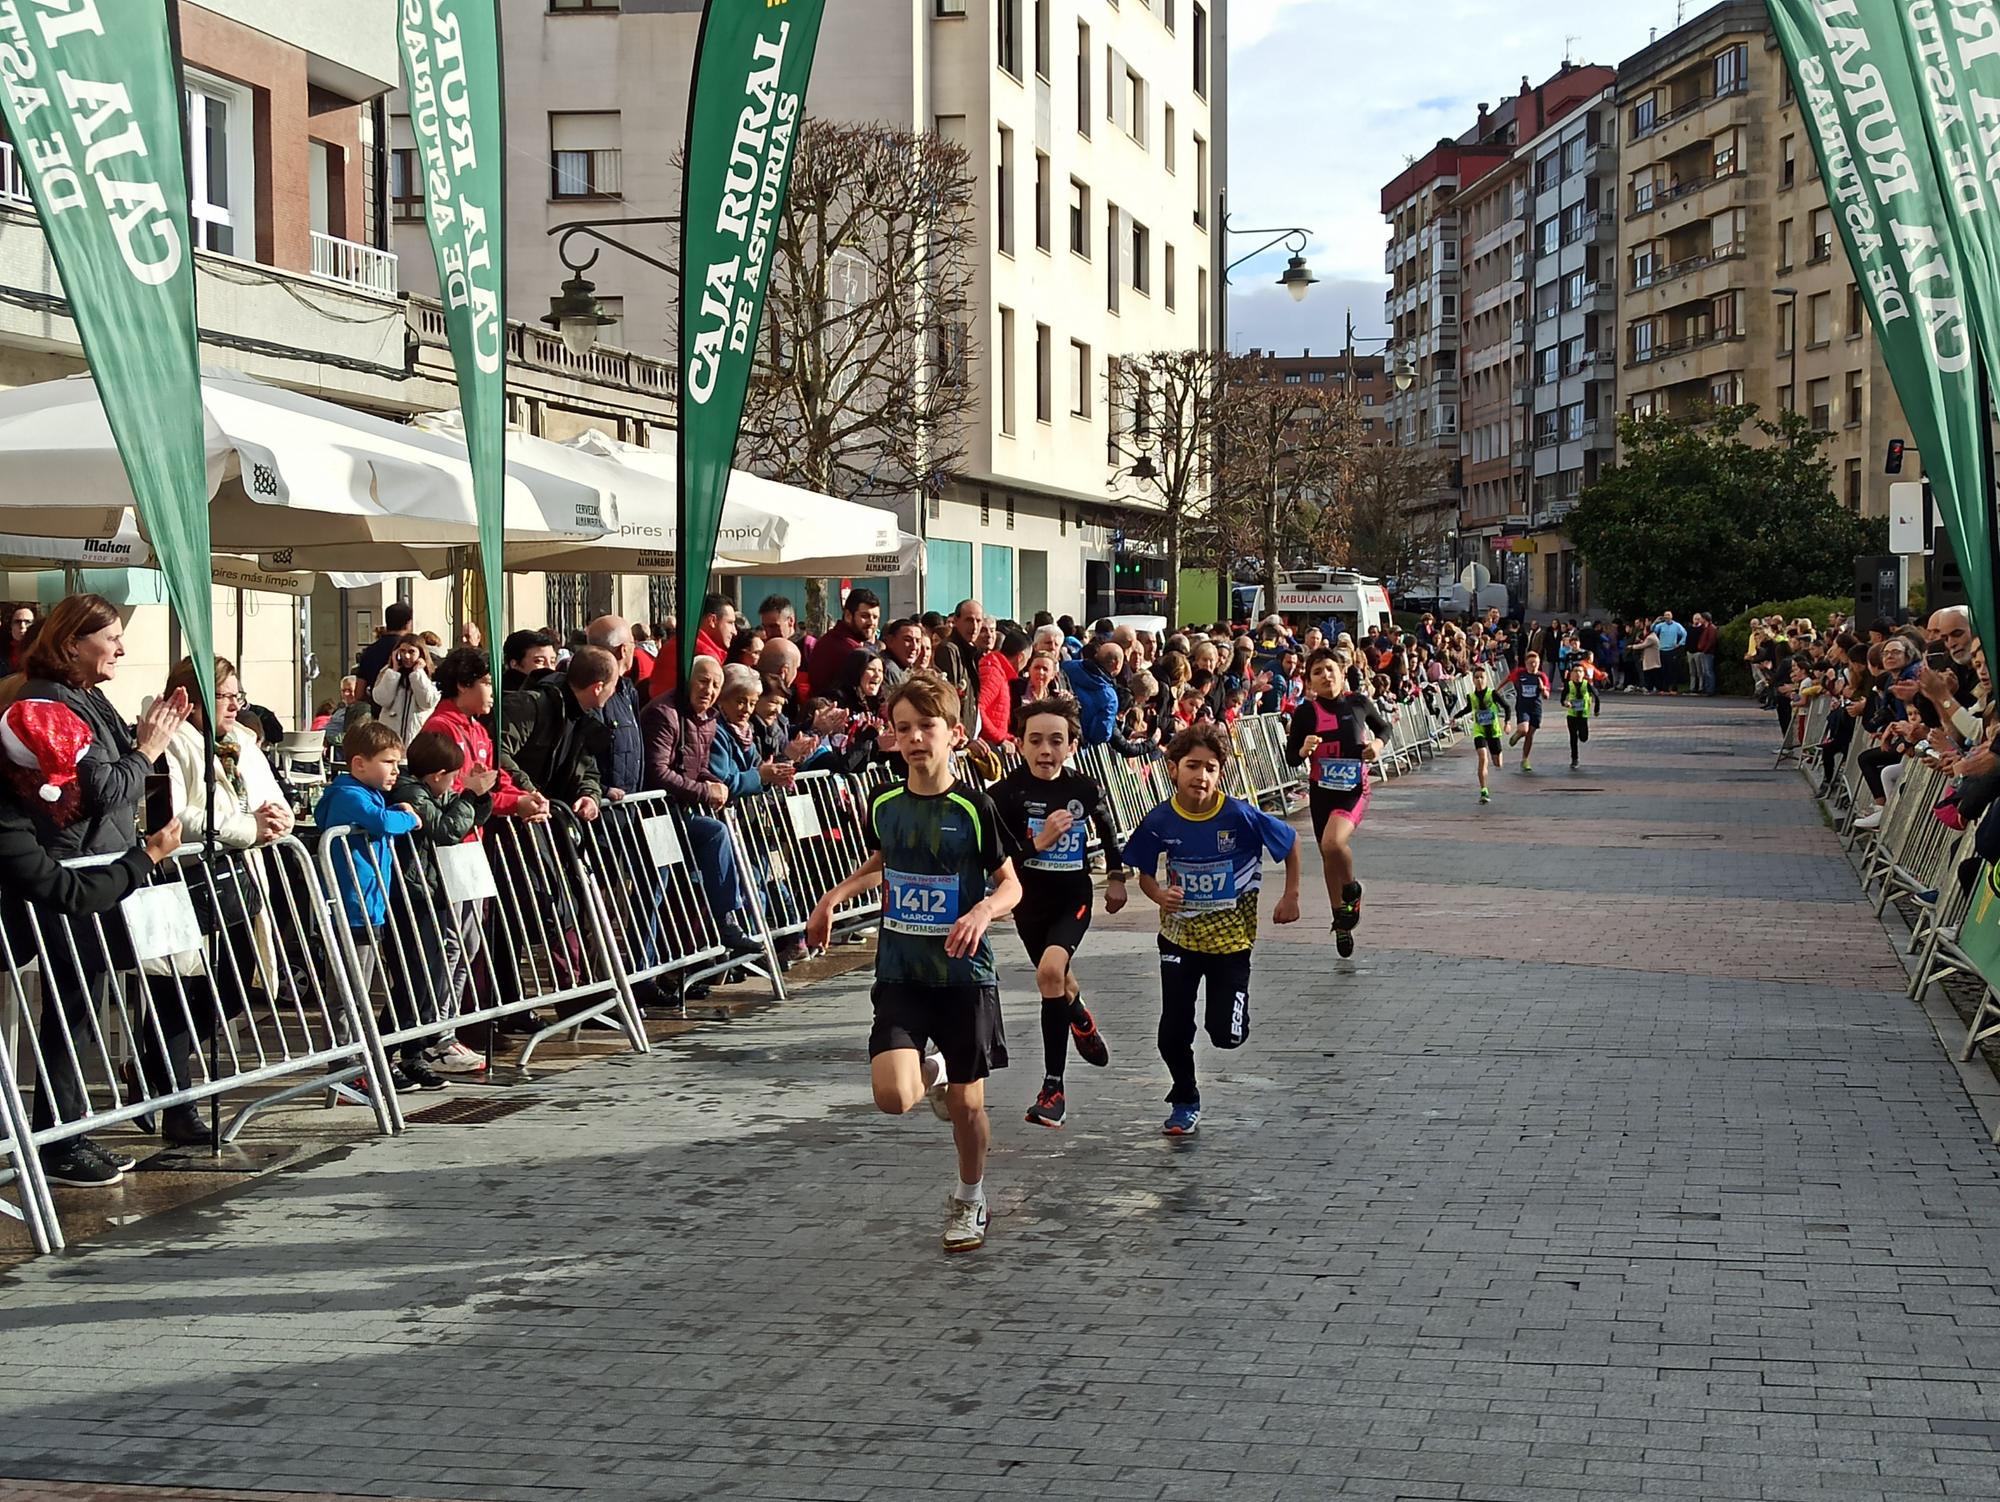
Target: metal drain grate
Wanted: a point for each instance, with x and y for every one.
(468, 1112)
(1680, 836)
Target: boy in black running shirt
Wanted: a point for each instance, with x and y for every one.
(1043, 807)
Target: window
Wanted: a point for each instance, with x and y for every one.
(1112, 250)
(1201, 308)
(1006, 374)
(1722, 314)
(1788, 317)
(1079, 379)
(950, 9)
(1079, 219)
(1785, 399)
(584, 154)
(1643, 188)
(1045, 375)
(1819, 398)
(1725, 151)
(1852, 411)
(1853, 484)
(1200, 182)
(1316, 378)
(1548, 365)
(1644, 113)
(609, 333)
(1726, 391)
(1142, 257)
(580, 7)
(1008, 14)
(1167, 137)
(1822, 235)
(1042, 38)
(1642, 341)
(1294, 378)
(1573, 421)
(1732, 68)
(1167, 275)
(1082, 79)
(1167, 16)
(1856, 316)
(1548, 236)
(1788, 162)
(220, 167)
(954, 339)
(1042, 202)
(1548, 170)
(406, 184)
(1138, 108)
(1201, 51)
(1819, 319)
(1644, 265)
(1003, 193)
(1784, 245)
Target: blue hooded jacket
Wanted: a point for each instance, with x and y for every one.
(345, 801)
(1096, 700)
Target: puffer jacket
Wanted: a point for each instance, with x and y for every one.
(677, 749)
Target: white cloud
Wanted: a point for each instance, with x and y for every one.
(1330, 98)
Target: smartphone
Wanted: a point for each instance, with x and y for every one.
(159, 802)
(1938, 660)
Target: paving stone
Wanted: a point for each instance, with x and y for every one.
(1613, 1166)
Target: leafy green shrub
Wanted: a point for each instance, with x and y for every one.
(1736, 634)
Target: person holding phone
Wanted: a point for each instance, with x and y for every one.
(404, 692)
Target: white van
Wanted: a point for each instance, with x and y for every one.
(1307, 597)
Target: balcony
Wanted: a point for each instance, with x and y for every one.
(1645, 200)
(1694, 106)
(538, 359)
(1689, 264)
(1582, 229)
(1682, 346)
(361, 267)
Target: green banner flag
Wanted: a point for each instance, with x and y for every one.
(92, 105)
(1979, 930)
(747, 104)
(1860, 94)
(451, 71)
(1956, 47)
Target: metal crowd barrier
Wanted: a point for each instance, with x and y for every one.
(210, 980)
(657, 908)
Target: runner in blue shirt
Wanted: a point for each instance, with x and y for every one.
(1214, 847)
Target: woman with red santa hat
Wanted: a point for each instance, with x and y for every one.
(44, 744)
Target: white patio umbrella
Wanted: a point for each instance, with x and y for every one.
(902, 559)
(766, 526)
(286, 472)
(126, 548)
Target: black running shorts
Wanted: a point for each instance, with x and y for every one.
(964, 1022)
(1056, 916)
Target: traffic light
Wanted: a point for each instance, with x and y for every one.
(1893, 465)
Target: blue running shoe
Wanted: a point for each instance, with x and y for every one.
(1182, 1121)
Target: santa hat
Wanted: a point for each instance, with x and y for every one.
(45, 737)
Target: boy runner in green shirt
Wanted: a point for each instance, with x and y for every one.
(936, 847)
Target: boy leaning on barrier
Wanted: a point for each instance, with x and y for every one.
(1214, 847)
(356, 798)
(1046, 809)
(453, 800)
(935, 846)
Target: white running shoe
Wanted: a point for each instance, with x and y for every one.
(964, 1224)
(458, 1059)
(1869, 820)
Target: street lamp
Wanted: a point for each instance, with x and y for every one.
(1298, 277)
(577, 315)
(1297, 280)
(1790, 297)
(575, 312)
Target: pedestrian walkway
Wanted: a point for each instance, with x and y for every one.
(1614, 1165)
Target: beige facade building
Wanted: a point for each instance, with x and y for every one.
(1737, 288)
(1095, 140)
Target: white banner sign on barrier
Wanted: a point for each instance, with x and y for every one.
(161, 921)
(663, 842)
(799, 808)
(466, 873)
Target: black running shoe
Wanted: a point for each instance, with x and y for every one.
(1343, 942)
(79, 1164)
(1047, 1110)
(422, 1076)
(1348, 914)
(1089, 1041)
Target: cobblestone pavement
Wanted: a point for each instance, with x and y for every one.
(1614, 1166)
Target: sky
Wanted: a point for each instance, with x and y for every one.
(1329, 99)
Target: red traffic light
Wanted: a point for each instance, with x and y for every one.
(1894, 464)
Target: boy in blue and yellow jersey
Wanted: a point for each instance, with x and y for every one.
(935, 846)
(1214, 847)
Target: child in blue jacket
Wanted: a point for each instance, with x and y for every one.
(356, 799)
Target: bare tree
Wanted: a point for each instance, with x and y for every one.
(1388, 533)
(862, 387)
(1285, 450)
(1161, 409)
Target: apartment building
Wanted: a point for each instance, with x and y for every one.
(1368, 375)
(1093, 128)
(1737, 287)
(1496, 242)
